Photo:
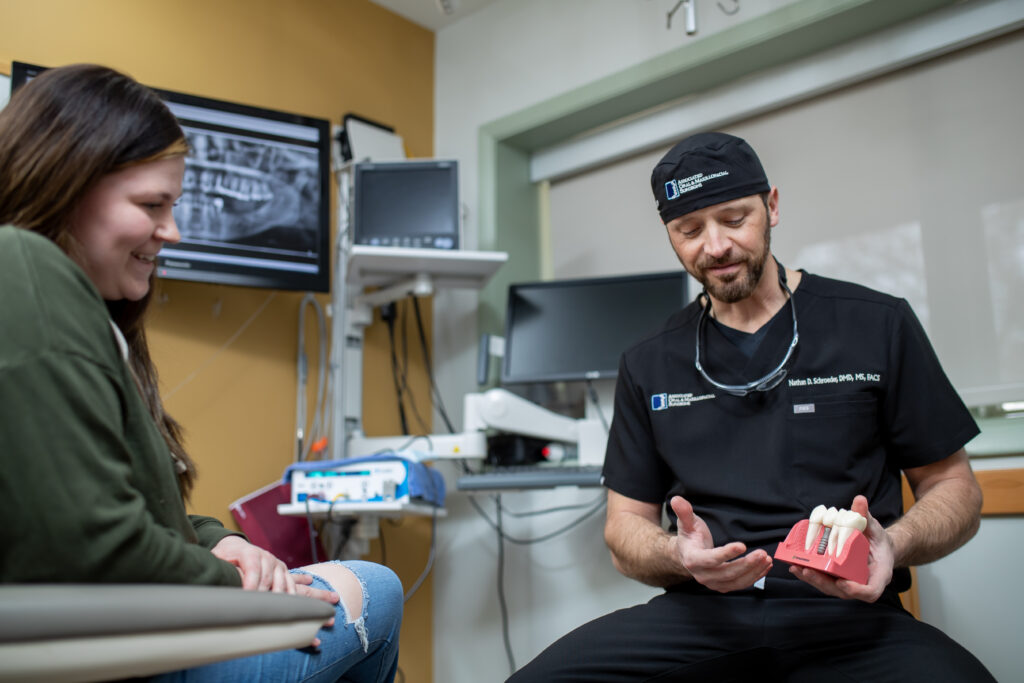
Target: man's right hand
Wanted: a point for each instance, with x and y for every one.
(722, 569)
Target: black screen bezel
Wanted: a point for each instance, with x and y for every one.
(510, 376)
(365, 173)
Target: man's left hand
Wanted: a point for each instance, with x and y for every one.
(880, 564)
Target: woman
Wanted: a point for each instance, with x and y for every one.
(93, 470)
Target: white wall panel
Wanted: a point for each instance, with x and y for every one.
(894, 183)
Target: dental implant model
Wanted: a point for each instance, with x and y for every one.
(832, 541)
(827, 521)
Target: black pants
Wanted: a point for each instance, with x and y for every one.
(787, 632)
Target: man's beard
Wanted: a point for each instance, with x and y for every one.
(741, 285)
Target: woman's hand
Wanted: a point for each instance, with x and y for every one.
(260, 570)
(303, 587)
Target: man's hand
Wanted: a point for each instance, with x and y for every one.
(880, 564)
(722, 569)
(260, 570)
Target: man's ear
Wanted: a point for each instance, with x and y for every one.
(773, 206)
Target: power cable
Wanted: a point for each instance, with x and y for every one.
(502, 537)
(430, 558)
(312, 532)
(540, 539)
(318, 430)
(404, 377)
(502, 605)
(388, 313)
(544, 511)
(383, 548)
(438, 401)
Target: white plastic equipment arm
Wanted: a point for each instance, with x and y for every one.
(502, 410)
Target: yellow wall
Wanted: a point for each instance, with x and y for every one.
(322, 58)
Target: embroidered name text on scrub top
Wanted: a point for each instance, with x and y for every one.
(835, 379)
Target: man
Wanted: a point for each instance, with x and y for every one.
(774, 392)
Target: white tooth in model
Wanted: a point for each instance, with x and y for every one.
(841, 532)
(827, 522)
(851, 521)
(814, 525)
(834, 536)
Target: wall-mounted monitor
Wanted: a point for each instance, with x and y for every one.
(255, 208)
(22, 73)
(406, 204)
(562, 330)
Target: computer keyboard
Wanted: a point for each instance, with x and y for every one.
(530, 477)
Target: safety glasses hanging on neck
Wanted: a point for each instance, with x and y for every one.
(773, 378)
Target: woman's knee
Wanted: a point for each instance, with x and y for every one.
(358, 582)
(345, 584)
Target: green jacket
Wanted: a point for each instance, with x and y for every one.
(88, 492)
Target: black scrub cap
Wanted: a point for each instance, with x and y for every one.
(703, 170)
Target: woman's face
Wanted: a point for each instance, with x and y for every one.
(121, 224)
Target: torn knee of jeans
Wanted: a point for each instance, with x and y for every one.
(360, 627)
(359, 621)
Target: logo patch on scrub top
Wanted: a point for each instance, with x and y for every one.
(666, 401)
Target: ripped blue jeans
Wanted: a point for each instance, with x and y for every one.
(363, 649)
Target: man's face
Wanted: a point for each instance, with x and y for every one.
(725, 246)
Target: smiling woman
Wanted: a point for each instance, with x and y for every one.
(65, 136)
(121, 224)
(93, 472)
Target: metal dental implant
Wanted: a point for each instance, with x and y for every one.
(827, 522)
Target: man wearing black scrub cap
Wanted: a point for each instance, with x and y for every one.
(773, 392)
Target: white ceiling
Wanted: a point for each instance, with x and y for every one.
(431, 14)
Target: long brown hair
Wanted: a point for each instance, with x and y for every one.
(59, 134)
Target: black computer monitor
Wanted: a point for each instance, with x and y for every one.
(563, 330)
(411, 203)
(22, 73)
(255, 208)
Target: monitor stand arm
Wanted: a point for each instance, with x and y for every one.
(502, 410)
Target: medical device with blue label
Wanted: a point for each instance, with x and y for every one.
(375, 478)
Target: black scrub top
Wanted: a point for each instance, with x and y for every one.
(864, 398)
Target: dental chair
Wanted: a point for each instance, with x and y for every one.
(94, 632)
